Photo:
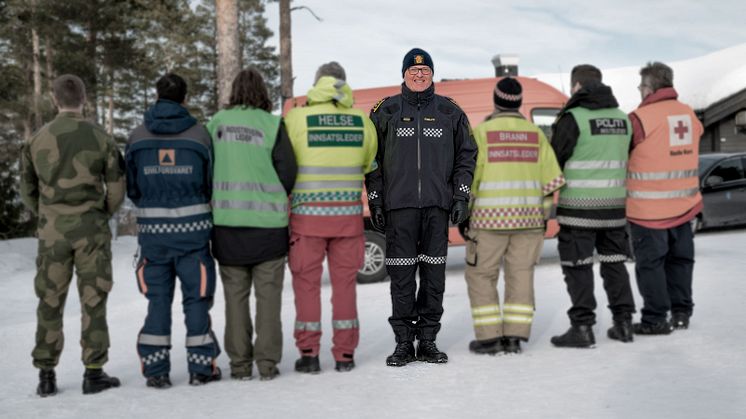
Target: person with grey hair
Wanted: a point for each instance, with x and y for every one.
(335, 146)
(662, 198)
(332, 69)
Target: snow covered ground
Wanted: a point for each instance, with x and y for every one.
(697, 373)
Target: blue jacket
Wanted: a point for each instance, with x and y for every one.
(169, 175)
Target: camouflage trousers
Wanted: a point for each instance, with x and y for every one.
(91, 258)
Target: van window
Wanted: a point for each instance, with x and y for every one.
(729, 170)
(544, 118)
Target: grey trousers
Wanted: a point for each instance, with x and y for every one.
(267, 278)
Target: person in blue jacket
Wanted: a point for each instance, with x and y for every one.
(169, 172)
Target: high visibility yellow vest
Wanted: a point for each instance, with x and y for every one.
(516, 168)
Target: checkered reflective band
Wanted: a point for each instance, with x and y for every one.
(433, 260)
(433, 132)
(174, 228)
(372, 195)
(612, 258)
(199, 359)
(405, 132)
(464, 188)
(157, 356)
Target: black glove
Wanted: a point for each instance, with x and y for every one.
(377, 218)
(463, 229)
(459, 212)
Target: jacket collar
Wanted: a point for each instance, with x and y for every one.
(167, 117)
(330, 89)
(666, 93)
(418, 98)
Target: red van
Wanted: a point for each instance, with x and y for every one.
(541, 103)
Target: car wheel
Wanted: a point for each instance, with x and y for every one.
(374, 267)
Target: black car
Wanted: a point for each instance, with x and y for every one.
(723, 184)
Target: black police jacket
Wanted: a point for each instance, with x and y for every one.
(426, 154)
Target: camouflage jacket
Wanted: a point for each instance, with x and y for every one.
(72, 177)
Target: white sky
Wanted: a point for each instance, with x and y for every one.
(370, 38)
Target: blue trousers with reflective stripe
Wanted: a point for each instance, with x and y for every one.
(157, 280)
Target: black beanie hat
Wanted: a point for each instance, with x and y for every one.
(416, 56)
(508, 93)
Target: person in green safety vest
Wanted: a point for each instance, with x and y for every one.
(591, 139)
(253, 174)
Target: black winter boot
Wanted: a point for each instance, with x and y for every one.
(344, 366)
(403, 355)
(680, 320)
(580, 336)
(511, 345)
(47, 383)
(95, 380)
(661, 328)
(487, 346)
(308, 364)
(159, 381)
(196, 379)
(621, 331)
(427, 351)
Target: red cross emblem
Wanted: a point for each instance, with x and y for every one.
(681, 129)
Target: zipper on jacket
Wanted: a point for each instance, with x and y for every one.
(419, 158)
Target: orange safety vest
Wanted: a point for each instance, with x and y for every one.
(662, 173)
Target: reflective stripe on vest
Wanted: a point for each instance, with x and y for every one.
(328, 211)
(323, 170)
(597, 164)
(681, 193)
(251, 205)
(509, 200)
(179, 212)
(497, 186)
(676, 174)
(329, 184)
(249, 186)
(596, 184)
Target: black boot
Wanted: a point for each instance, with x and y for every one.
(47, 383)
(661, 328)
(580, 336)
(196, 379)
(680, 320)
(487, 346)
(308, 364)
(427, 351)
(403, 355)
(96, 380)
(621, 331)
(511, 345)
(344, 366)
(159, 381)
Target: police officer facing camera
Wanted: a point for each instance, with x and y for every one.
(426, 158)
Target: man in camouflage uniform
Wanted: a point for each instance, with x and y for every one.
(73, 179)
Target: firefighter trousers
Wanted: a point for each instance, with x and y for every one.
(156, 279)
(576, 248)
(664, 264)
(518, 252)
(344, 258)
(416, 238)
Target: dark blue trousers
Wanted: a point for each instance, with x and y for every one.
(156, 279)
(664, 267)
